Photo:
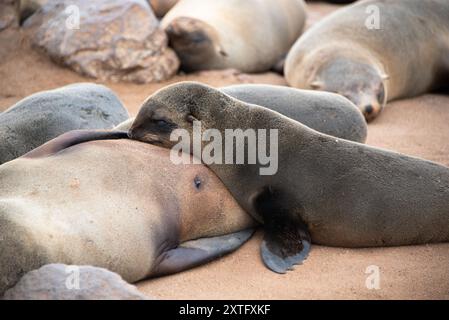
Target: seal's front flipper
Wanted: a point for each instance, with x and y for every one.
(285, 244)
(197, 252)
(72, 138)
(287, 240)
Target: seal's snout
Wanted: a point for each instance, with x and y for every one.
(371, 111)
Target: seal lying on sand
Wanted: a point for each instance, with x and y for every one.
(328, 190)
(375, 51)
(48, 114)
(325, 112)
(138, 216)
(250, 35)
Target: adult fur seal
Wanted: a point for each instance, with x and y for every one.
(325, 112)
(47, 114)
(406, 56)
(139, 216)
(331, 191)
(249, 35)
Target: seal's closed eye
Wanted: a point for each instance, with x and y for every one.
(163, 125)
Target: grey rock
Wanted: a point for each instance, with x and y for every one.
(117, 40)
(63, 282)
(45, 115)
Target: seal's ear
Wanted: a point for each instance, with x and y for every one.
(72, 138)
(221, 51)
(197, 252)
(316, 85)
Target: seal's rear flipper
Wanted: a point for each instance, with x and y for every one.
(285, 244)
(197, 252)
(72, 138)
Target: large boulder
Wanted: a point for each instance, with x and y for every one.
(9, 16)
(63, 282)
(45, 115)
(117, 40)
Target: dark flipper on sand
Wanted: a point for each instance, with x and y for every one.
(287, 241)
(72, 138)
(285, 245)
(197, 252)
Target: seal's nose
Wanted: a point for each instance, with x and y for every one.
(371, 111)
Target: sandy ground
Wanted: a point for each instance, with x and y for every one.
(416, 126)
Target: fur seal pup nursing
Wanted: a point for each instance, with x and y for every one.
(250, 35)
(403, 55)
(327, 190)
(139, 216)
(325, 112)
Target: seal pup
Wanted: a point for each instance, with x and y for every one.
(326, 112)
(250, 35)
(327, 190)
(403, 55)
(139, 216)
(47, 114)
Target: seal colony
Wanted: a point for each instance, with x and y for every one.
(251, 35)
(404, 55)
(60, 203)
(330, 191)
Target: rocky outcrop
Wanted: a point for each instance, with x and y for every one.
(117, 40)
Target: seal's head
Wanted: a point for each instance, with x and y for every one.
(194, 41)
(176, 106)
(360, 82)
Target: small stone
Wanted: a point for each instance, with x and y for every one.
(63, 282)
